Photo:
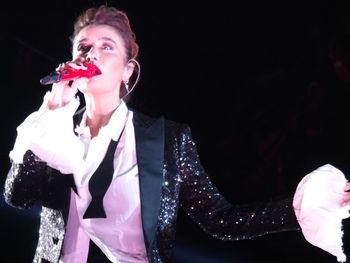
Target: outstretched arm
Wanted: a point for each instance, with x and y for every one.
(208, 208)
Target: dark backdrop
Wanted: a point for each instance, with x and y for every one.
(264, 86)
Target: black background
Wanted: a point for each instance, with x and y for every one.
(264, 86)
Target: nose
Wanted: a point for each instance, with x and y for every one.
(91, 55)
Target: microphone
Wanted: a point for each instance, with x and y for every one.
(70, 73)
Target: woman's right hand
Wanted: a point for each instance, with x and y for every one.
(64, 91)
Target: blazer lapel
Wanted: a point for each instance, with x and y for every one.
(149, 135)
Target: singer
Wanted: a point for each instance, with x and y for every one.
(111, 179)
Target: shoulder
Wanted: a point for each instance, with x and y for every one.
(146, 120)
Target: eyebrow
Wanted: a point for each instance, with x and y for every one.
(102, 38)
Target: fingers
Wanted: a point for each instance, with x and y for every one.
(346, 200)
(78, 83)
(347, 187)
(68, 93)
(58, 91)
(77, 64)
(70, 88)
(63, 91)
(346, 196)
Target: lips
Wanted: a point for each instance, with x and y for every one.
(91, 70)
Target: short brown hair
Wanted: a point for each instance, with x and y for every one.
(111, 16)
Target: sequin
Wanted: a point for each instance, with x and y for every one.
(51, 234)
(185, 183)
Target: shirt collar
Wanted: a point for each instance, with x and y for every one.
(114, 126)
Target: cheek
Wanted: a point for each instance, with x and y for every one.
(115, 69)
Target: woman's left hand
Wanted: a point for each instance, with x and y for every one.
(346, 197)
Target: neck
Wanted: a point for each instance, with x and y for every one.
(99, 112)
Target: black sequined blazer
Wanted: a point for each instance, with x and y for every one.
(170, 176)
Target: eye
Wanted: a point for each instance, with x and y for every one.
(107, 47)
(83, 48)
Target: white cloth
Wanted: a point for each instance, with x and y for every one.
(317, 204)
(49, 134)
(120, 235)
(95, 148)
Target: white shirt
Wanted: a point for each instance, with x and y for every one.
(49, 134)
(120, 235)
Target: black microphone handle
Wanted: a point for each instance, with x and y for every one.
(54, 77)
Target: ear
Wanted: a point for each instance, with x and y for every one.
(129, 69)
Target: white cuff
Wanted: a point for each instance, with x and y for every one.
(317, 204)
(49, 134)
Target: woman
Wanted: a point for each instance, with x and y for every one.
(62, 157)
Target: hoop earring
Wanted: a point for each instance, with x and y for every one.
(126, 84)
(138, 71)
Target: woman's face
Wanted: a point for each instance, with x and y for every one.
(103, 45)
